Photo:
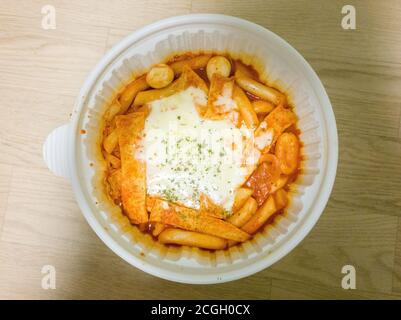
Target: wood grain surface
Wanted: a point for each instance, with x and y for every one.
(41, 72)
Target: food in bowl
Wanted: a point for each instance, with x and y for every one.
(201, 152)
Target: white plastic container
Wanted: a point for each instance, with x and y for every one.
(76, 156)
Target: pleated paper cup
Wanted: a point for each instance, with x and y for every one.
(73, 150)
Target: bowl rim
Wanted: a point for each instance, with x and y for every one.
(317, 206)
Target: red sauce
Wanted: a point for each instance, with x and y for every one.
(260, 181)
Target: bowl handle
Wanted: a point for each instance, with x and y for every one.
(55, 151)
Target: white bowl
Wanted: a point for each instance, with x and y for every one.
(74, 155)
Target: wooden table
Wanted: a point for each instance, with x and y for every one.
(41, 72)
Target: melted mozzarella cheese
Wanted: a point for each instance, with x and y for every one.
(187, 155)
(264, 139)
